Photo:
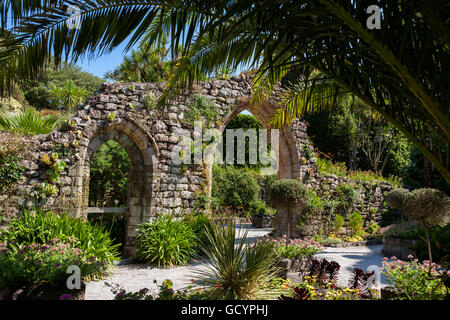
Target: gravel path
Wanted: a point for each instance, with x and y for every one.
(354, 257)
(134, 277)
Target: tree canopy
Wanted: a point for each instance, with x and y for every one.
(400, 70)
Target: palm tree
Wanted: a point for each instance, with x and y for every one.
(401, 70)
(147, 64)
(68, 95)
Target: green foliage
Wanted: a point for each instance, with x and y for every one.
(355, 222)
(202, 107)
(200, 224)
(166, 292)
(109, 168)
(414, 280)
(327, 166)
(265, 184)
(429, 207)
(28, 122)
(114, 223)
(36, 263)
(419, 110)
(41, 227)
(439, 241)
(244, 122)
(261, 207)
(234, 188)
(150, 101)
(361, 138)
(395, 197)
(288, 191)
(146, 64)
(339, 222)
(165, 241)
(347, 195)
(10, 171)
(407, 230)
(238, 271)
(416, 176)
(307, 151)
(294, 249)
(68, 95)
(37, 90)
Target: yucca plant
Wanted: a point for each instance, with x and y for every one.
(238, 270)
(28, 122)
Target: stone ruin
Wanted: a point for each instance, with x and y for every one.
(126, 113)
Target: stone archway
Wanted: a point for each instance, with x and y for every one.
(289, 157)
(143, 173)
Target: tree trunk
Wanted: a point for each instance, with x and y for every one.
(427, 236)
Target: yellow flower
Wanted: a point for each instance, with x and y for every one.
(46, 159)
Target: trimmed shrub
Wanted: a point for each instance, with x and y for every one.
(428, 207)
(165, 241)
(395, 197)
(288, 191)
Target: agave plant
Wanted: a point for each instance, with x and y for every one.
(238, 271)
(28, 122)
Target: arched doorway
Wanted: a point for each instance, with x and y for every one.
(289, 165)
(142, 177)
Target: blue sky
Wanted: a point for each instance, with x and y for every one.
(101, 64)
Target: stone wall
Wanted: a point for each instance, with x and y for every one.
(370, 203)
(126, 113)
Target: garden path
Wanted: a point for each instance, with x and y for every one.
(134, 277)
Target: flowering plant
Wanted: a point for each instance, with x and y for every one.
(413, 280)
(25, 265)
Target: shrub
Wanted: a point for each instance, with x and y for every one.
(114, 223)
(260, 207)
(238, 271)
(347, 195)
(27, 265)
(294, 249)
(339, 222)
(409, 230)
(356, 222)
(288, 191)
(10, 170)
(395, 197)
(428, 207)
(415, 281)
(40, 227)
(200, 224)
(202, 107)
(27, 122)
(236, 188)
(165, 241)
